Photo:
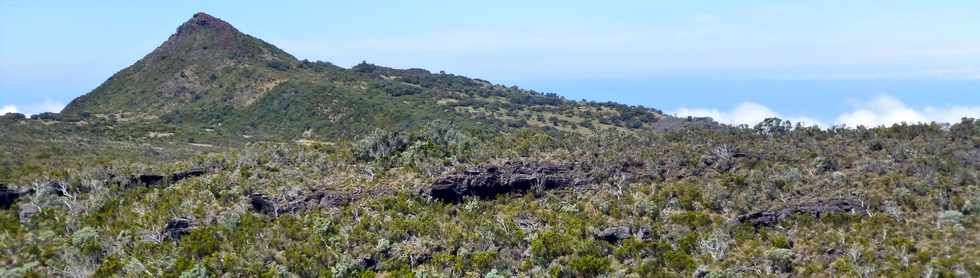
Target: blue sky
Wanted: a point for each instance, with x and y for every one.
(827, 62)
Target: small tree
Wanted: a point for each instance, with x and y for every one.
(774, 126)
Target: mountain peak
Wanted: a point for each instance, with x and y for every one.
(200, 61)
(205, 36)
(203, 21)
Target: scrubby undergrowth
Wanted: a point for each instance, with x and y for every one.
(656, 204)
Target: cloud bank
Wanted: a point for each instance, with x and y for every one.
(748, 113)
(887, 110)
(8, 109)
(882, 110)
(33, 109)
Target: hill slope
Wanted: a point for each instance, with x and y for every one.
(211, 75)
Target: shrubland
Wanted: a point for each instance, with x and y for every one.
(655, 204)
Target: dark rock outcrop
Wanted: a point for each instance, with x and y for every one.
(9, 196)
(158, 179)
(263, 204)
(193, 172)
(816, 209)
(490, 181)
(613, 234)
(177, 228)
(149, 179)
(722, 159)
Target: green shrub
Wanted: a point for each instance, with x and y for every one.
(109, 266)
(200, 242)
(494, 273)
(482, 260)
(692, 219)
(550, 245)
(590, 266)
(950, 217)
(689, 242)
(199, 271)
(971, 206)
(687, 194)
(678, 260)
(87, 241)
(781, 258)
(378, 145)
(781, 241)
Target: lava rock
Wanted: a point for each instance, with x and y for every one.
(158, 179)
(194, 172)
(815, 209)
(263, 204)
(490, 181)
(177, 228)
(150, 179)
(613, 234)
(9, 196)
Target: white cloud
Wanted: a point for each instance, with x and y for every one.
(8, 109)
(748, 113)
(885, 110)
(33, 109)
(882, 110)
(46, 106)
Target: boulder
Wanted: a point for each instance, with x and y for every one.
(492, 180)
(815, 209)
